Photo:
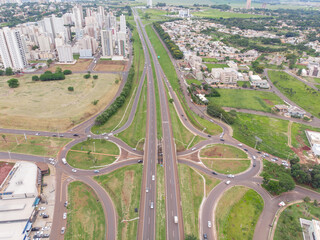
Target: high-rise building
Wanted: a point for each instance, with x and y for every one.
(149, 3)
(78, 16)
(248, 4)
(107, 43)
(65, 54)
(12, 49)
(44, 43)
(122, 44)
(122, 23)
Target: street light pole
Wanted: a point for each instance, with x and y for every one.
(9, 155)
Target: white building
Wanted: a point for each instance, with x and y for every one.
(256, 81)
(122, 23)
(18, 198)
(314, 140)
(149, 3)
(106, 42)
(12, 51)
(44, 43)
(78, 16)
(184, 13)
(65, 54)
(311, 229)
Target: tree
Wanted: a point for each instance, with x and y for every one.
(49, 61)
(190, 237)
(306, 199)
(8, 71)
(116, 81)
(70, 89)
(286, 182)
(299, 72)
(67, 72)
(86, 76)
(315, 203)
(4, 138)
(95, 76)
(58, 70)
(13, 83)
(35, 78)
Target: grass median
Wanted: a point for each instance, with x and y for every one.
(85, 218)
(124, 187)
(222, 151)
(227, 166)
(135, 134)
(237, 213)
(161, 205)
(192, 192)
(34, 145)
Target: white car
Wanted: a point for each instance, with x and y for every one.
(153, 177)
(281, 204)
(151, 205)
(51, 159)
(65, 215)
(37, 134)
(240, 144)
(147, 189)
(209, 224)
(230, 176)
(228, 182)
(74, 170)
(42, 208)
(62, 230)
(193, 149)
(106, 138)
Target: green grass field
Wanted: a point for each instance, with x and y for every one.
(237, 213)
(215, 65)
(298, 135)
(93, 153)
(191, 188)
(312, 80)
(161, 205)
(215, 13)
(121, 117)
(288, 227)
(227, 166)
(135, 134)
(124, 187)
(247, 99)
(272, 131)
(222, 151)
(209, 60)
(307, 98)
(194, 81)
(85, 216)
(34, 145)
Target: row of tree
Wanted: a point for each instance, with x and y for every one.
(105, 116)
(214, 110)
(173, 48)
(50, 76)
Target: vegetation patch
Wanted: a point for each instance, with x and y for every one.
(227, 166)
(124, 187)
(238, 212)
(161, 205)
(297, 91)
(34, 145)
(89, 160)
(222, 151)
(85, 216)
(216, 65)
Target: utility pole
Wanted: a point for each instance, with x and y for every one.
(9, 155)
(94, 146)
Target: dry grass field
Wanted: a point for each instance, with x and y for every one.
(110, 66)
(80, 65)
(49, 105)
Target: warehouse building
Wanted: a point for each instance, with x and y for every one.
(314, 140)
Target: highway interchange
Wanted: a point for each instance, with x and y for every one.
(147, 220)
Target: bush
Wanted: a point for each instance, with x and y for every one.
(8, 71)
(13, 83)
(35, 78)
(49, 76)
(86, 76)
(216, 111)
(95, 102)
(95, 76)
(67, 72)
(70, 89)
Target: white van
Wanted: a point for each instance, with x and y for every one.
(64, 161)
(175, 219)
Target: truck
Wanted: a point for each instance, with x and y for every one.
(175, 219)
(64, 161)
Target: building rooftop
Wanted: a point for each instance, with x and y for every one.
(12, 231)
(313, 136)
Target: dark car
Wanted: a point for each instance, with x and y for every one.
(214, 173)
(35, 229)
(140, 161)
(45, 216)
(205, 236)
(209, 135)
(254, 165)
(75, 135)
(245, 149)
(221, 139)
(259, 152)
(54, 135)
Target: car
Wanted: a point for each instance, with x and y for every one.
(37, 134)
(45, 216)
(151, 205)
(89, 136)
(75, 135)
(104, 134)
(193, 149)
(209, 224)
(54, 135)
(96, 171)
(153, 177)
(147, 189)
(134, 149)
(175, 219)
(61, 135)
(281, 204)
(106, 138)
(74, 170)
(66, 204)
(42, 208)
(140, 161)
(63, 230)
(245, 149)
(45, 235)
(35, 229)
(221, 139)
(209, 135)
(254, 157)
(230, 176)
(51, 159)
(273, 160)
(110, 134)
(205, 236)
(64, 215)
(259, 152)
(214, 173)
(254, 165)
(228, 182)
(240, 144)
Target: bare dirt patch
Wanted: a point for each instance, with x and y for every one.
(5, 168)
(269, 102)
(110, 66)
(80, 65)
